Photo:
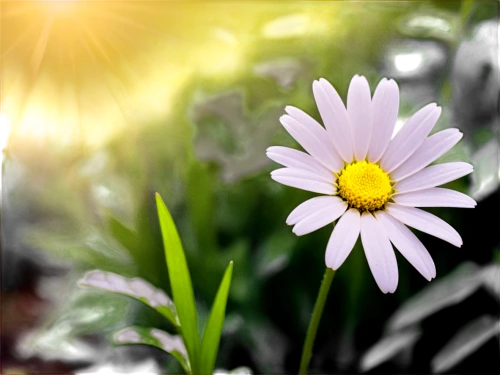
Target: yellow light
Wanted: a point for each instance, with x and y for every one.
(85, 71)
(288, 26)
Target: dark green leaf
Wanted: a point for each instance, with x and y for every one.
(213, 330)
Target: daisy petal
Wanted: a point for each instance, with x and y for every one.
(334, 116)
(296, 159)
(309, 207)
(320, 218)
(435, 197)
(359, 111)
(385, 106)
(314, 140)
(431, 149)
(379, 253)
(343, 238)
(304, 184)
(408, 244)
(318, 130)
(303, 180)
(432, 176)
(410, 137)
(425, 222)
(299, 173)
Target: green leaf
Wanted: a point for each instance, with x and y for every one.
(171, 344)
(82, 312)
(65, 246)
(136, 288)
(180, 281)
(213, 330)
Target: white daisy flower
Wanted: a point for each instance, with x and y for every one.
(373, 184)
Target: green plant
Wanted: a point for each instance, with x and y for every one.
(195, 351)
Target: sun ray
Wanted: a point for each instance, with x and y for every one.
(150, 30)
(20, 9)
(39, 51)
(122, 60)
(114, 36)
(98, 45)
(22, 37)
(76, 84)
(90, 52)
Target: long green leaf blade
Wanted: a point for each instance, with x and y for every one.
(180, 280)
(213, 330)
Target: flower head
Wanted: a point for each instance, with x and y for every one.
(373, 184)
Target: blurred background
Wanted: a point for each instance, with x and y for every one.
(103, 103)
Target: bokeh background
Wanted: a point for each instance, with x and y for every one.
(103, 103)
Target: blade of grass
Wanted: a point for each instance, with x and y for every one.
(213, 330)
(180, 280)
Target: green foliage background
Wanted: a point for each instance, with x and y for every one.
(207, 160)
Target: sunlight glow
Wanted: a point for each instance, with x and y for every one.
(85, 72)
(407, 62)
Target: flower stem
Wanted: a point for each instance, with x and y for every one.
(315, 319)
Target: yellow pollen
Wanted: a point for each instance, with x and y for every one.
(364, 186)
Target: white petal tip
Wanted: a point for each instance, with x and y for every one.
(333, 266)
(388, 290)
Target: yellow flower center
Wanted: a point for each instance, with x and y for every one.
(364, 186)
